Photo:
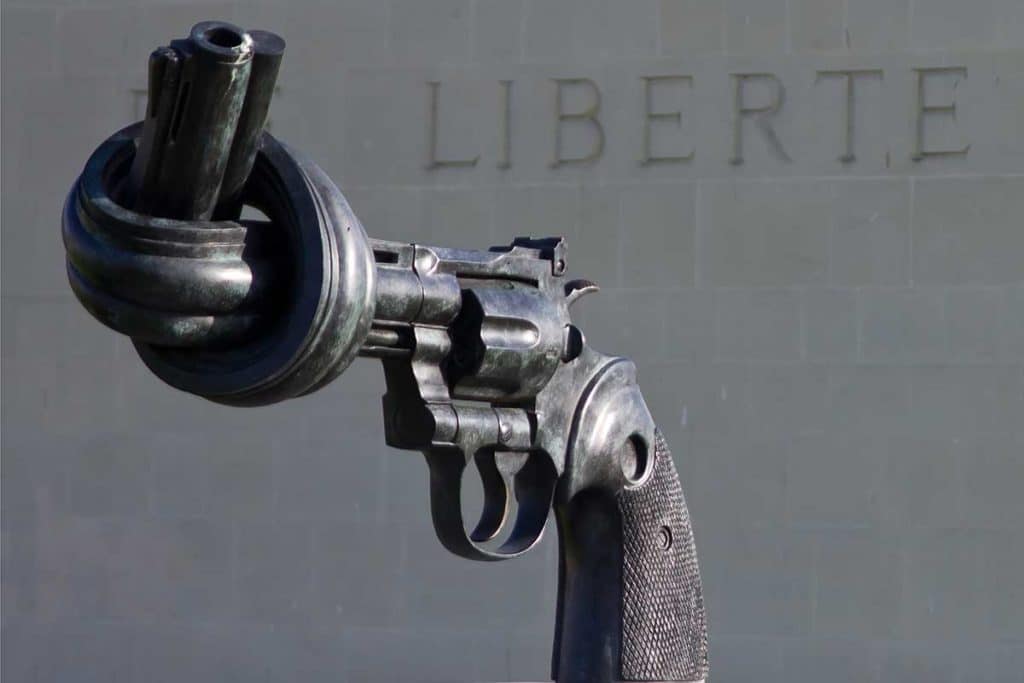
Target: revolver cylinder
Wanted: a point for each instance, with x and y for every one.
(507, 342)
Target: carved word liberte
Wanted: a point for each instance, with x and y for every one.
(743, 112)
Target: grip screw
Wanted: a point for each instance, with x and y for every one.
(665, 537)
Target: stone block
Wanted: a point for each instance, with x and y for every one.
(324, 477)
(830, 325)
(966, 230)
(434, 654)
(305, 653)
(991, 663)
(321, 36)
(30, 40)
(868, 399)
(903, 326)
(764, 234)
(691, 325)
(108, 474)
(746, 658)
(460, 594)
(625, 322)
(816, 26)
(208, 652)
(755, 27)
(839, 660)
(691, 26)
(858, 587)
(871, 233)
(461, 218)
(633, 28)
(241, 476)
(960, 400)
(923, 485)
(498, 30)
(877, 26)
(359, 574)
(954, 25)
(355, 398)
(944, 587)
(738, 482)
(1011, 325)
(789, 399)
(32, 264)
(390, 213)
(973, 324)
(586, 30)
(83, 652)
(594, 242)
(274, 571)
(657, 226)
(1011, 22)
(180, 569)
(991, 467)
(1002, 557)
(550, 32)
(540, 211)
(758, 581)
(116, 568)
(919, 662)
(528, 657)
(35, 481)
(405, 494)
(30, 404)
(835, 481)
(383, 125)
(82, 53)
(24, 645)
(713, 399)
(758, 324)
(179, 476)
(436, 32)
(662, 385)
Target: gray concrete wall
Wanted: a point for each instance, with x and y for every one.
(835, 350)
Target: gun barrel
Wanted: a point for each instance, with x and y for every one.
(197, 92)
(268, 49)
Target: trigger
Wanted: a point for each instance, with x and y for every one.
(496, 497)
(575, 289)
(510, 462)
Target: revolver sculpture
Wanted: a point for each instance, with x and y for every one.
(481, 360)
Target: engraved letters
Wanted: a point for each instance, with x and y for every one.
(504, 151)
(923, 108)
(588, 115)
(763, 113)
(647, 156)
(432, 160)
(754, 105)
(850, 76)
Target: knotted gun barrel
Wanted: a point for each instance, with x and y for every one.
(481, 359)
(243, 312)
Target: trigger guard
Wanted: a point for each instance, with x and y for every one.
(535, 490)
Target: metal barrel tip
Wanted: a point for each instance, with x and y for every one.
(221, 39)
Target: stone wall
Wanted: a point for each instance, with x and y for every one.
(820, 274)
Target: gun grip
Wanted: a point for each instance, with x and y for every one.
(631, 606)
